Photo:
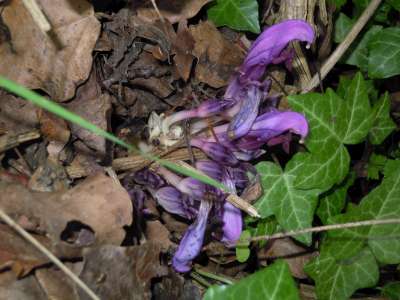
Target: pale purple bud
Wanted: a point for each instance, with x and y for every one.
(192, 241)
(171, 200)
(233, 224)
(210, 168)
(215, 151)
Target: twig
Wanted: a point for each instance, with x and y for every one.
(324, 228)
(214, 276)
(153, 2)
(10, 222)
(344, 45)
(37, 15)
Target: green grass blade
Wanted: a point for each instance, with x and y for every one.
(60, 111)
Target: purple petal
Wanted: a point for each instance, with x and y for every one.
(192, 187)
(215, 151)
(274, 123)
(233, 224)
(212, 107)
(171, 200)
(148, 178)
(269, 45)
(192, 241)
(244, 119)
(210, 168)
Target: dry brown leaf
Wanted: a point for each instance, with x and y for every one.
(94, 106)
(95, 211)
(217, 57)
(293, 254)
(157, 232)
(52, 127)
(26, 288)
(173, 10)
(49, 177)
(16, 115)
(182, 47)
(21, 256)
(122, 273)
(55, 63)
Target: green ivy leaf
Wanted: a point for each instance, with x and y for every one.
(237, 14)
(334, 200)
(382, 203)
(375, 166)
(383, 124)
(392, 290)
(339, 279)
(266, 226)
(293, 208)
(384, 53)
(242, 250)
(273, 283)
(395, 4)
(333, 122)
(338, 3)
(342, 27)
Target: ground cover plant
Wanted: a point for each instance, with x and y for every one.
(200, 149)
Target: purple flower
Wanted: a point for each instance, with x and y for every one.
(233, 224)
(192, 241)
(210, 168)
(215, 151)
(172, 200)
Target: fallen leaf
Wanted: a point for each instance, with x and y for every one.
(157, 232)
(95, 211)
(217, 57)
(52, 127)
(94, 106)
(182, 47)
(295, 255)
(122, 272)
(172, 10)
(55, 63)
(49, 177)
(16, 115)
(26, 288)
(19, 255)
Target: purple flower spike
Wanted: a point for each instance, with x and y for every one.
(274, 123)
(270, 44)
(171, 200)
(210, 168)
(233, 224)
(191, 243)
(215, 151)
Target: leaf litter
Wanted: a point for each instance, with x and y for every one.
(116, 68)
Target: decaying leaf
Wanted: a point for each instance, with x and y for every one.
(95, 211)
(217, 57)
(55, 63)
(157, 232)
(172, 10)
(19, 255)
(49, 177)
(52, 127)
(26, 288)
(122, 273)
(93, 105)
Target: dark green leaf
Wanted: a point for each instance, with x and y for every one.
(273, 283)
(392, 291)
(338, 3)
(342, 27)
(334, 200)
(242, 250)
(395, 4)
(376, 165)
(237, 14)
(293, 209)
(383, 124)
(339, 279)
(384, 53)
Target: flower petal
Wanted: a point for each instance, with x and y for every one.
(192, 241)
(171, 200)
(215, 151)
(233, 224)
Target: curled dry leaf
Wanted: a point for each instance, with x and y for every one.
(172, 10)
(55, 63)
(93, 105)
(95, 211)
(19, 255)
(217, 57)
(122, 272)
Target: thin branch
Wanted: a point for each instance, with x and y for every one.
(324, 228)
(344, 45)
(37, 15)
(10, 222)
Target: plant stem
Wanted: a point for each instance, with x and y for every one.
(343, 46)
(214, 276)
(324, 228)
